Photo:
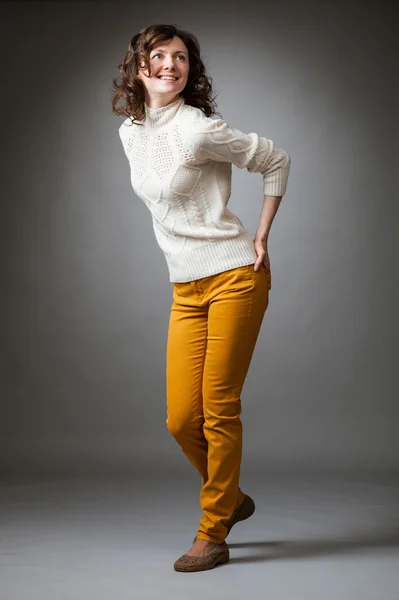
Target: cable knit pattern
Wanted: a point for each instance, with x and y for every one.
(180, 164)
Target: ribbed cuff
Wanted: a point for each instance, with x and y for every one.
(276, 184)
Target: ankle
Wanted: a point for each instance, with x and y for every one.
(206, 542)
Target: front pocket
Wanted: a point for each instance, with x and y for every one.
(240, 275)
(249, 271)
(268, 274)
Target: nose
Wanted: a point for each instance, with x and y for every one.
(169, 63)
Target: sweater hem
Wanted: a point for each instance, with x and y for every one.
(212, 258)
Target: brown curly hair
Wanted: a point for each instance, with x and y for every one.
(129, 88)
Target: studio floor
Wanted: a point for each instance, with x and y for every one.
(310, 538)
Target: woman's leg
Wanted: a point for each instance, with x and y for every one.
(185, 355)
(237, 301)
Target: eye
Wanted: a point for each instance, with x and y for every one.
(182, 56)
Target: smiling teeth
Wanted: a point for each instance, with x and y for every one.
(169, 78)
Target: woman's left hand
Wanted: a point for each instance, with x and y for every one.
(262, 254)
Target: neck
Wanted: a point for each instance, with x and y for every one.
(156, 103)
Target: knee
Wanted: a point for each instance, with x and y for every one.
(180, 426)
(176, 427)
(227, 420)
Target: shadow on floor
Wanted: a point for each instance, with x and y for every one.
(285, 549)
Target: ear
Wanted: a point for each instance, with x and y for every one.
(141, 74)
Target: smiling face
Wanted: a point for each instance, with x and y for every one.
(169, 73)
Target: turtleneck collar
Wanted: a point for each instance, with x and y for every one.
(159, 117)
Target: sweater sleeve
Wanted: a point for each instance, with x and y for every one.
(215, 140)
(126, 134)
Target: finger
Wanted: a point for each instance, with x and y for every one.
(258, 263)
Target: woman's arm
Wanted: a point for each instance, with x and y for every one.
(215, 140)
(269, 209)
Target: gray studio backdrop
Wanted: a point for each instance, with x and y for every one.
(85, 290)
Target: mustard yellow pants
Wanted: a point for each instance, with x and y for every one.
(213, 328)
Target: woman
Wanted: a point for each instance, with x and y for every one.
(180, 162)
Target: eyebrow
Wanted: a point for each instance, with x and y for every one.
(163, 50)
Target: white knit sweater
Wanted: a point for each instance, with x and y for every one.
(180, 162)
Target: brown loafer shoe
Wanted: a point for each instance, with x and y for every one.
(242, 512)
(218, 555)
